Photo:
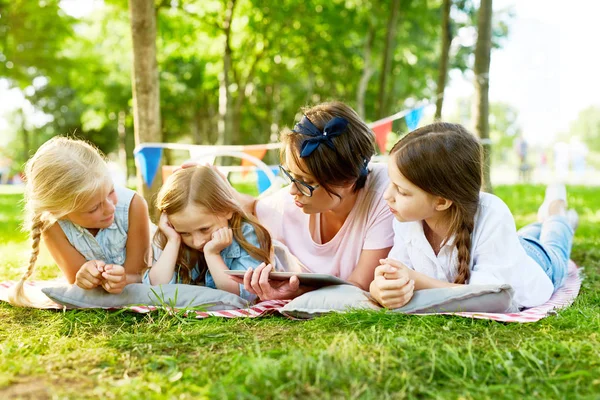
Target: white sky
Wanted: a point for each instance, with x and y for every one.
(548, 68)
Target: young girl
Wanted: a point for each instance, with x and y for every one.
(448, 233)
(97, 233)
(203, 232)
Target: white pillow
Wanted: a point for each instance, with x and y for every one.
(342, 298)
(176, 295)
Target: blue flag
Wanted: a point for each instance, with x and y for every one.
(148, 159)
(413, 117)
(263, 181)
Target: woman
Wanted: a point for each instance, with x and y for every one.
(332, 216)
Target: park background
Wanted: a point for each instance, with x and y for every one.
(235, 72)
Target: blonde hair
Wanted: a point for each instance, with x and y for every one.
(202, 186)
(62, 176)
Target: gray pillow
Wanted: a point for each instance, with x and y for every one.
(341, 298)
(177, 295)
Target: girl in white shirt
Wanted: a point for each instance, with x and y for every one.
(448, 233)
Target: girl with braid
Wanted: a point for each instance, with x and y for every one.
(448, 232)
(203, 232)
(97, 233)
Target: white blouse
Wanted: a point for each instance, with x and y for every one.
(497, 256)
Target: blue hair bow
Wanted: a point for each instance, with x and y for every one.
(364, 171)
(334, 128)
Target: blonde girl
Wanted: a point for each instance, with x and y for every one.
(448, 233)
(97, 233)
(203, 231)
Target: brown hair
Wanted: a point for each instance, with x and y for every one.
(342, 165)
(445, 160)
(202, 186)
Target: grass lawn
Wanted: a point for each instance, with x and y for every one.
(101, 354)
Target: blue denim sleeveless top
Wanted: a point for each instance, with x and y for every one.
(109, 244)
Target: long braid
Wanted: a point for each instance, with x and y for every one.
(463, 245)
(17, 294)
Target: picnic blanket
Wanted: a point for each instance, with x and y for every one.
(562, 298)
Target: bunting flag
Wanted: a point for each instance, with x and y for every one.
(263, 181)
(258, 153)
(381, 133)
(413, 117)
(148, 159)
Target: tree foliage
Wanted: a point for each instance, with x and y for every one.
(587, 127)
(283, 55)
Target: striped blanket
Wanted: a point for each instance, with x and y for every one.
(562, 298)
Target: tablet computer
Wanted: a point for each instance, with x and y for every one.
(306, 278)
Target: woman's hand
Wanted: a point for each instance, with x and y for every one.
(221, 238)
(90, 274)
(392, 286)
(115, 278)
(257, 282)
(167, 229)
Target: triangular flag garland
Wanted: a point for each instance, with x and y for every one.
(382, 131)
(383, 127)
(413, 117)
(148, 159)
(258, 153)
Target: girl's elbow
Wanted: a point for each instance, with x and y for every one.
(361, 285)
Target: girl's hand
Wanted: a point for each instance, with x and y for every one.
(395, 270)
(257, 282)
(392, 286)
(167, 229)
(115, 278)
(90, 274)
(221, 238)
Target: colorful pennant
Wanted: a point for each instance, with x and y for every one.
(263, 181)
(148, 160)
(258, 153)
(382, 131)
(413, 117)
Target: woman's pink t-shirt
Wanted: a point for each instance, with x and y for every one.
(368, 227)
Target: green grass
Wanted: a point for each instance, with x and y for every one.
(91, 354)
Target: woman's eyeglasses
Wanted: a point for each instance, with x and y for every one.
(304, 188)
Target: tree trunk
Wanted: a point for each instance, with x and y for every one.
(201, 120)
(122, 151)
(210, 123)
(443, 71)
(146, 96)
(195, 126)
(366, 73)
(482, 84)
(388, 55)
(225, 99)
